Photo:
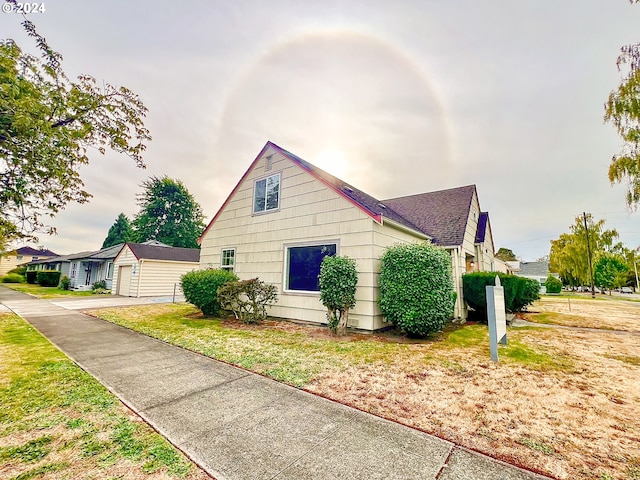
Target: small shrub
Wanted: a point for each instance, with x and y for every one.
(101, 291)
(338, 282)
(12, 278)
(32, 276)
(100, 284)
(200, 288)
(247, 299)
(48, 278)
(553, 284)
(518, 292)
(19, 270)
(65, 283)
(416, 287)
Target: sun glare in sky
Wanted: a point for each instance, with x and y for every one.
(334, 161)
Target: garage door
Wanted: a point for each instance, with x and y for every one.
(124, 280)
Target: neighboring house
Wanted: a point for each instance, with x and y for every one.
(537, 271)
(143, 269)
(83, 268)
(21, 256)
(285, 215)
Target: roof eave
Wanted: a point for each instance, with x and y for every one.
(399, 226)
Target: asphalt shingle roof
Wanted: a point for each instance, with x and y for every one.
(155, 252)
(442, 215)
(534, 269)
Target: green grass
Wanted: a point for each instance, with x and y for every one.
(54, 417)
(298, 358)
(45, 292)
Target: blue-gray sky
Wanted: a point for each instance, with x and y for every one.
(396, 98)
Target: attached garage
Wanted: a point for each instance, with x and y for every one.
(148, 270)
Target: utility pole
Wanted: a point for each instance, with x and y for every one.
(586, 229)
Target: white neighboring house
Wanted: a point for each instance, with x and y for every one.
(538, 271)
(152, 269)
(285, 215)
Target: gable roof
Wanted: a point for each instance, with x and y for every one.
(164, 252)
(30, 251)
(442, 215)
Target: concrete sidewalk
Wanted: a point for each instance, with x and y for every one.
(238, 425)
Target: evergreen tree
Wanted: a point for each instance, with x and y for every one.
(168, 214)
(120, 232)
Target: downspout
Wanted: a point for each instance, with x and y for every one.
(139, 278)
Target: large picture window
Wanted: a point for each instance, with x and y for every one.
(266, 194)
(303, 266)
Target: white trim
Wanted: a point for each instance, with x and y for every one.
(399, 226)
(285, 273)
(253, 196)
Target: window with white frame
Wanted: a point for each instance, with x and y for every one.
(303, 266)
(266, 194)
(110, 270)
(228, 259)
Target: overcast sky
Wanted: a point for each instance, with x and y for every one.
(396, 98)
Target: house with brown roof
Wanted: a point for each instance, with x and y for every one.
(151, 269)
(285, 215)
(21, 256)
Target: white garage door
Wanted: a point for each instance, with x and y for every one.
(124, 280)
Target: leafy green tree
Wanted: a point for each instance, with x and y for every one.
(505, 254)
(168, 214)
(120, 232)
(623, 110)
(48, 123)
(569, 256)
(338, 282)
(610, 271)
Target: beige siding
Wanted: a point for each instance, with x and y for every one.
(309, 212)
(125, 257)
(158, 277)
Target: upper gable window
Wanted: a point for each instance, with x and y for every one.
(266, 194)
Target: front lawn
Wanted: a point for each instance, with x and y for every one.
(56, 421)
(560, 402)
(45, 292)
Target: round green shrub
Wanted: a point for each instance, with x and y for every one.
(200, 288)
(416, 288)
(65, 283)
(553, 284)
(12, 278)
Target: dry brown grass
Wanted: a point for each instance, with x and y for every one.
(561, 402)
(602, 313)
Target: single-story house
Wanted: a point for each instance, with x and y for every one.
(285, 215)
(538, 271)
(83, 268)
(21, 256)
(144, 269)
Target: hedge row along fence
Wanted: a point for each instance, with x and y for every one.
(519, 292)
(45, 278)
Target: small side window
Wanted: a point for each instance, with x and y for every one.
(228, 261)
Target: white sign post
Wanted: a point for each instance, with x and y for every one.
(497, 317)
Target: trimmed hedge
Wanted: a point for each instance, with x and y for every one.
(48, 278)
(31, 276)
(200, 288)
(338, 284)
(518, 291)
(416, 288)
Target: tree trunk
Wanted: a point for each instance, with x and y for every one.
(342, 323)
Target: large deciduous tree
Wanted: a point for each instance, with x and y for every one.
(610, 271)
(168, 214)
(569, 255)
(120, 232)
(506, 254)
(48, 124)
(623, 110)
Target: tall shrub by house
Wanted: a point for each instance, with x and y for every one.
(248, 299)
(200, 288)
(338, 282)
(31, 276)
(519, 292)
(416, 287)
